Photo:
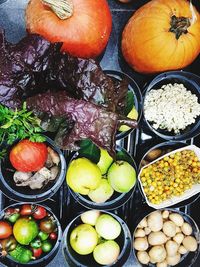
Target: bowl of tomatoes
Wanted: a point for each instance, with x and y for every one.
(30, 235)
(32, 171)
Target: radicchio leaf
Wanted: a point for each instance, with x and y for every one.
(90, 120)
(84, 79)
(18, 65)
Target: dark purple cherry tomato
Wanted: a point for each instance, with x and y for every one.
(53, 236)
(47, 225)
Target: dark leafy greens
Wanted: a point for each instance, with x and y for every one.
(19, 66)
(90, 120)
(83, 102)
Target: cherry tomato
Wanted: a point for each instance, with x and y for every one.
(36, 243)
(26, 210)
(46, 246)
(47, 225)
(53, 236)
(13, 218)
(43, 236)
(5, 230)
(12, 215)
(37, 252)
(40, 213)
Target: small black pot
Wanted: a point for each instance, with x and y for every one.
(187, 259)
(116, 200)
(8, 187)
(48, 257)
(192, 83)
(165, 146)
(73, 259)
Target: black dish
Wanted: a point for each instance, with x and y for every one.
(192, 83)
(48, 257)
(187, 259)
(117, 199)
(8, 187)
(76, 260)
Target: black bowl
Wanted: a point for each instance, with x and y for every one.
(73, 259)
(134, 88)
(187, 259)
(117, 199)
(173, 145)
(192, 83)
(8, 187)
(45, 259)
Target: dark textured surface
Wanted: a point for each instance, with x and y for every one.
(12, 19)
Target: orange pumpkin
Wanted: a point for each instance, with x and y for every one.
(84, 26)
(162, 35)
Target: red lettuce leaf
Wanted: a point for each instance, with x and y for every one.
(90, 121)
(18, 65)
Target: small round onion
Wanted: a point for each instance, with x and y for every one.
(176, 218)
(190, 243)
(143, 257)
(141, 244)
(186, 229)
(169, 228)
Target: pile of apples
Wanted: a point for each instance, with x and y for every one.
(97, 234)
(100, 181)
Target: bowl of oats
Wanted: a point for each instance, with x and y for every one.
(172, 105)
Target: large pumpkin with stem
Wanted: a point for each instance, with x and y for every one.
(162, 35)
(84, 26)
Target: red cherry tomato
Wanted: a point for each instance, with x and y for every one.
(40, 213)
(37, 252)
(5, 230)
(53, 236)
(26, 210)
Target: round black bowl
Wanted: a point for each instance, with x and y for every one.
(192, 83)
(8, 187)
(117, 199)
(187, 259)
(73, 259)
(172, 145)
(48, 257)
(134, 88)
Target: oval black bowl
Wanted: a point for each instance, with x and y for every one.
(8, 187)
(192, 83)
(48, 257)
(73, 259)
(187, 259)
(116, 200)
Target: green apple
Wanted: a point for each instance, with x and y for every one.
(102, 193)
(83, 175)
(121, 176)
(106, 253)
(108, 227)
(133, 114)
(105, 161)
(83, 239)
(90, 216)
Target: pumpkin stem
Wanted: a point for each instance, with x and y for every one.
(62, 8)
(179, 25)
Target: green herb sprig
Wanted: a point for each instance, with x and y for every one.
(19, 124)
